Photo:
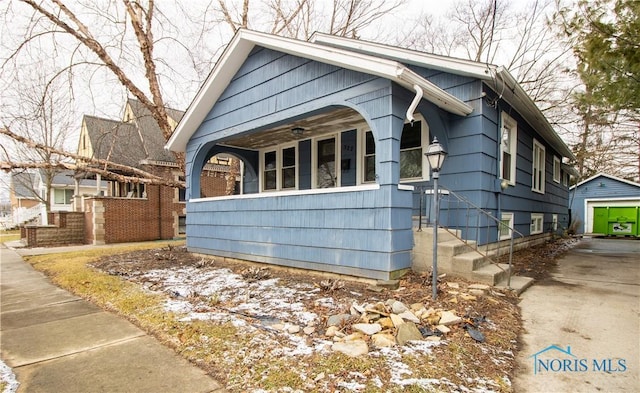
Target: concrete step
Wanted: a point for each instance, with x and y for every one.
(454, 247)
(490, 274)
(468, 262)
(518, 284)
(443, 234)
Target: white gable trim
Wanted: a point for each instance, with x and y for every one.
(245, 40)
(631, 183)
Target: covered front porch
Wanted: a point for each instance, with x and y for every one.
(310, 198)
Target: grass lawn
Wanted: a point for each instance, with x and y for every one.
(9, 236)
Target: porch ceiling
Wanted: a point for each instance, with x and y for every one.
(336, 120)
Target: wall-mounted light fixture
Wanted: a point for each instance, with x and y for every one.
(297, 131)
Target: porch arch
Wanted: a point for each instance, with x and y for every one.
(248, 158)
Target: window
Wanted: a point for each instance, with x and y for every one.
(554, 222)
(182, 225)
(279, 169)
(182, 192)
(289, 168)
(270, 172)
(508, 144)
(537, 221)
(326, 160)
(62, 197)
(412, 161)
(411, 151)
(537, 181)
(565, 179)
(506, 225)
(556, 169)
(369, 158)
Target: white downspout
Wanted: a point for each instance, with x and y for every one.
(414, 103)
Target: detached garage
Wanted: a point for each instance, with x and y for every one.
(607, 205)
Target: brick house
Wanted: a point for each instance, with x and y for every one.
(130, 211)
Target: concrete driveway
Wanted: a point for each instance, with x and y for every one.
(582, 325)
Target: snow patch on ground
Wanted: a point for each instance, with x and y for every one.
(8, 377)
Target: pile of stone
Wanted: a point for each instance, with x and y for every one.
(386, 325)
(392, 323)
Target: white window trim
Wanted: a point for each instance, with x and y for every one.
(279, 178)
(554, 222)
(338, 158)
(513, 149)
(278, 149)
(504, 217)
(537, 223)
(540, 188)
(557, 171)
(424, 138)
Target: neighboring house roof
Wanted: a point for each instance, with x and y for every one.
(631, 183)
(151, 135)
(498, 78)
(66, 179)
(245, 40)
(23, 185)
(130, 142)
(114, 140)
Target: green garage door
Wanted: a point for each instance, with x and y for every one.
(616, 220)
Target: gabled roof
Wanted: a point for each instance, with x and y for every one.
(23, 185)
(631, 183)
(114, 140)
(497, 78)
(132, 141)
(152, 139)
(245, 40)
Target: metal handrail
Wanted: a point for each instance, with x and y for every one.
(470, 210)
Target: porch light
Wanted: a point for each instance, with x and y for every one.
(435, 155)
(297, 131)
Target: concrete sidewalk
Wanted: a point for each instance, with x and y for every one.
(57, 342)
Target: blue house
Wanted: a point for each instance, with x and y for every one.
(603, 193)
(331, 133)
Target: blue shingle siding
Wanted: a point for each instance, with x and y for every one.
(359, 231)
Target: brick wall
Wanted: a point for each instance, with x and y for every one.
(120, 220)
(65, 228)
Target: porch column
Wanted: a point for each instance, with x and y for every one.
(389, 132)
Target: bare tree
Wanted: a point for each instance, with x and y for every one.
(152, 51)
(40, 111)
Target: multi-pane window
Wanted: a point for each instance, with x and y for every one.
(537, 221)
(506, 224)
(537, 172)
(411, 157)
(411, 151)
(556, 169)
(289, 168)
(508, 144)
(279, 169)
(326, 169)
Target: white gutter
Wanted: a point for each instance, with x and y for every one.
(414, 103)
(433, 93)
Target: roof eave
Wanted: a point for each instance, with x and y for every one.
(515, 95)
(244, 41)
